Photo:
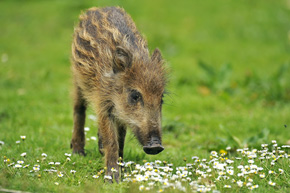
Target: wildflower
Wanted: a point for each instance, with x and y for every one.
(141, 187)
(56, 183)
(60, 175)
(227, 186)
(17, 142)
(23, 137)
(240, 167)
(121, 163)
(231, 172)
(285, 146)
(262, 175)
(223, 152)
(51, 163)
(220, 166)
(240, 183)
(26, 166)
(249, 184)
(195, 157)
(214, 153)
(229, 161)
(20, 162)
(108, 177)
(160, 190)
(68, 159)
(23, 154)
(264, 145)
(96, 176)
(2, 143)
(281, 171)
(36, 169)
(271, 183)
(44, 155)
(140, 178)
(113, 170)
(157, 162)
(255, 186)
(18, 166)
(251, 161)
(87, 128)
(271, 172)
(67, 154)
(93, 138)
(72, 171)
(57, 163)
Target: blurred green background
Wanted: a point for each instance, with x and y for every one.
(229, 80)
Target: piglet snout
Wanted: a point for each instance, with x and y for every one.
(154, 146)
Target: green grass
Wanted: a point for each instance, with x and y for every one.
(229, 84)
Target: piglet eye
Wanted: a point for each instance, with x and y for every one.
(134, 96)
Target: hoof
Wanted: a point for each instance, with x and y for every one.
(80, 152)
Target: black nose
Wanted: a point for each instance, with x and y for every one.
(153, 150)
(154, 146)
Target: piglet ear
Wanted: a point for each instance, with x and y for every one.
(156, 56)
(122, 59)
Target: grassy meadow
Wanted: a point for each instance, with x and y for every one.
(229, 90)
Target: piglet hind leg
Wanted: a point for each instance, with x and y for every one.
(79, 116)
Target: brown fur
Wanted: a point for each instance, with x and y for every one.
(110, 62)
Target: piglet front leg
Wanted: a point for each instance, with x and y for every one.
(110, 146)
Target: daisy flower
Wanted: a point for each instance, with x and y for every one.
(17, 166)
(262, 175)
(93, 138)
(36, 169)
(96, 176)
(141, 187)
(113, 170)
(44, 155)
(227, 186)
(240, 183)
(108, 177)
(271, 183)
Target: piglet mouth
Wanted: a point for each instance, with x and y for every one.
(154, 146)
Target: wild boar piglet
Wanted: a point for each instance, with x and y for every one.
(114, 73)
